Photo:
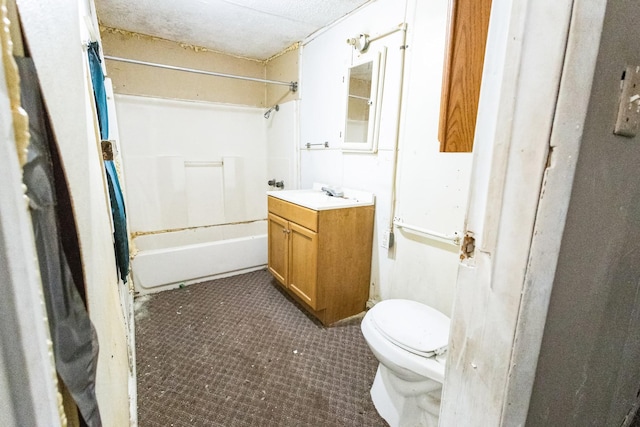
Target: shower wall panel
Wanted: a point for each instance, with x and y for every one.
(191, 164)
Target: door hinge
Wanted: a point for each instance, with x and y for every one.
(468, 247)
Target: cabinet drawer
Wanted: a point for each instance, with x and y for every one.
(307, 218)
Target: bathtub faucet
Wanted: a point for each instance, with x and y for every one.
(277, 184)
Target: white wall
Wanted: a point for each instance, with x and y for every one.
(162, 142)
(432, 187)
(282, 145)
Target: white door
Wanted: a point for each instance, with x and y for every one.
(538, 70)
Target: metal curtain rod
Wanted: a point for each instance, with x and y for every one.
(293, 86)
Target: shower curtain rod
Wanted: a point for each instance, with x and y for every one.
(293, 86)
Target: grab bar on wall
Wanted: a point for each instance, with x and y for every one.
(203, 164)
(364, 98)
(453, 239)
(324, 144)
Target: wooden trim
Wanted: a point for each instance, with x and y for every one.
(307, 218)
(467, 31)
(446, 73)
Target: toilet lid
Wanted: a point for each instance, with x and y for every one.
(412, 326)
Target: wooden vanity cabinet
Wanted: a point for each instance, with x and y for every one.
(322, 258)
(295, 273)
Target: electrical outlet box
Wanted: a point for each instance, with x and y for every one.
(628, 120)
(387, 239)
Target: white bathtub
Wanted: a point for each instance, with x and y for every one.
(169, 260)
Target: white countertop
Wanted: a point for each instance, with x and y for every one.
(318, 200)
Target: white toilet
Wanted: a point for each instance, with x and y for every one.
(410, 341)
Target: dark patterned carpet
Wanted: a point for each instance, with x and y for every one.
(240, 352)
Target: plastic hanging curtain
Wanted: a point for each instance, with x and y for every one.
(99, 92)
(118, 211)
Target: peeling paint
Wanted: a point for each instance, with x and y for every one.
(186, 46)
(133, 249)
(20, 118)
(293, 47)
(198, 227)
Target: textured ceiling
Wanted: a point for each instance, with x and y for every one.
(257, 29)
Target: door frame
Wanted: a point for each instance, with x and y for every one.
(537, 79)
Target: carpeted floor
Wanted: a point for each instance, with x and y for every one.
(239, 352)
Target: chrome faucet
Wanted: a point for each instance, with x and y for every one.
(332, 192)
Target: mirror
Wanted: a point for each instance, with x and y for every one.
(362, 88)
(359, 102)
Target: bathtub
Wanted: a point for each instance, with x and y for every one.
(176, 258)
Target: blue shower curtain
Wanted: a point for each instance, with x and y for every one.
(118, 211)
(119, 220)
(97, 78)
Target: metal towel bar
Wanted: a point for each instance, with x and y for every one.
(453, 239)
(324, 144)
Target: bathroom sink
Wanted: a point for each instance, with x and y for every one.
(318, 200)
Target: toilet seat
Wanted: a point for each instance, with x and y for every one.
(412, 326)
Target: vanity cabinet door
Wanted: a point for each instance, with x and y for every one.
(303, 250)
(278, 253)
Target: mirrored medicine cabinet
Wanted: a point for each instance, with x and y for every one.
(363, 80)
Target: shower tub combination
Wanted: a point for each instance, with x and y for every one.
(171, 259)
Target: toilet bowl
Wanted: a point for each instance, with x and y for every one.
(409, 339)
